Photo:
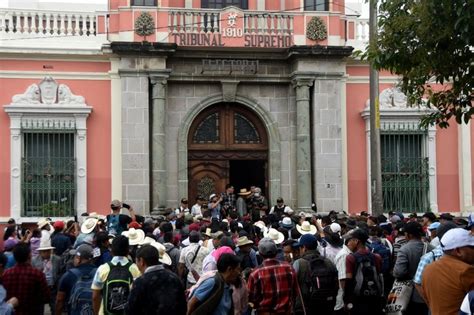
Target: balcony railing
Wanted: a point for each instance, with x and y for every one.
(40, 23)
(208, 21)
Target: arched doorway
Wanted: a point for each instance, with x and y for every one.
(227, 143)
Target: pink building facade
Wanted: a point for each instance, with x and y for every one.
(217, 92)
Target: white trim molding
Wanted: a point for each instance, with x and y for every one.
(465, 175)
(53, 105)
(394, 109)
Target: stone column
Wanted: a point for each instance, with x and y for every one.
(303, 143)
(158, 164)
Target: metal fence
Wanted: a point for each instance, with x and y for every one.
(49, 179)
(405, 177)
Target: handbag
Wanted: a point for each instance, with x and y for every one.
(400, 295)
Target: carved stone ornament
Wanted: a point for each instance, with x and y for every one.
(229, 90)
(48, 92)
(393, 98)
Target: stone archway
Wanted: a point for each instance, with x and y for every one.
(274, 152)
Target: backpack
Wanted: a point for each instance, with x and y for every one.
(367, 280)
(66, 262)
(212, 301)
(322, 283)
(80, 301)
(377, 247)
(117, 288)
(113, 224)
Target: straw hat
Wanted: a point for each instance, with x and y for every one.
(275, 235)
(89, 225)
(164, 257)
(45, 244)
(147, 241)
(244, 192)
(242, 241)
(306, 228)
(207, 232)
(42, 223)
(135, 236)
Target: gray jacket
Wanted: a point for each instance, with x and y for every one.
(37, 263)
(407, 262)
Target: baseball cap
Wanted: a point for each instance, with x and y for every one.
(434, 226)
(335, 227)
(395, 218)
(116, 204)
(267, 246)
(308, 240)
(58, 225)
(456, 238)
(84, 251)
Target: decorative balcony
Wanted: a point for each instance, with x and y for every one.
(50, 29)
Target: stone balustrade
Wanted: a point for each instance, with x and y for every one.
(194, 21)
(34, 23)
(362, 30)
(268, 23)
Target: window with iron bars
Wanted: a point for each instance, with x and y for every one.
(144, 3)
(48, 174)
(405, 176)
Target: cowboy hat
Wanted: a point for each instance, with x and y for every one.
(287, 223)
(42, 223)
(45, 244)
(147, 241)
(275, 235)
(89, 225)
(135, 236)
(262, 226)
(306, 228)
(244, 192)
(207, 232)
(164, 257)
(242, 241)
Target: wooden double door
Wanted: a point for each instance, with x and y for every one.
(227, 143)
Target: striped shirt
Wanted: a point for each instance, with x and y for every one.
(273, 286)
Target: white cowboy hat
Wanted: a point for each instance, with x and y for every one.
(262, 226)
(306, 228)
(242, 241)
(45, 244)
(89, 225)
(147, 241)
(164, 257)
(135, 236)
(275, 235)
(42, 223)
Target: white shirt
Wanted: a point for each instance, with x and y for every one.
(187, 255)
(340, 262)
(196, 210)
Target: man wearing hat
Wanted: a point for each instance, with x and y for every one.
(447, 281)
(59, 240)
(280, 208)
(49, 264)
(246, 253)
(83, 266)
(157, 290)
(241, 203)
(273, 286)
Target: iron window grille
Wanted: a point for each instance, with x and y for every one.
(316, 5)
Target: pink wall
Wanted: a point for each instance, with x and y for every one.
(357, 95)
(447, 168)
(97, 95)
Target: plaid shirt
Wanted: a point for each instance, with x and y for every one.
(228, 200)
(29, 286)
(425, 260)
(273, 287)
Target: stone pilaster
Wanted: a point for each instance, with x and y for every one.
(303, 143)
(159, 85)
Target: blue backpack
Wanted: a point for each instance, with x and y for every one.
(377, 247)
(113, 224)
(80, 301)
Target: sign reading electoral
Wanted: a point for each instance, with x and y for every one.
(231, 28)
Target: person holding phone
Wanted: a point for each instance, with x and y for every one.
(117, 222)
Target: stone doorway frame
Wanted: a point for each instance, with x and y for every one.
(271, 126)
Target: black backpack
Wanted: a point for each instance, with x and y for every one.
(366, 278)
(117, 288)
(322, 283)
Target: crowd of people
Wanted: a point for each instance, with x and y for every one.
(233, 254)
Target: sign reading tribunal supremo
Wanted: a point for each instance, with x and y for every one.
(231, 34)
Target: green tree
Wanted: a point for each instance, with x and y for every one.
(428, 43)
